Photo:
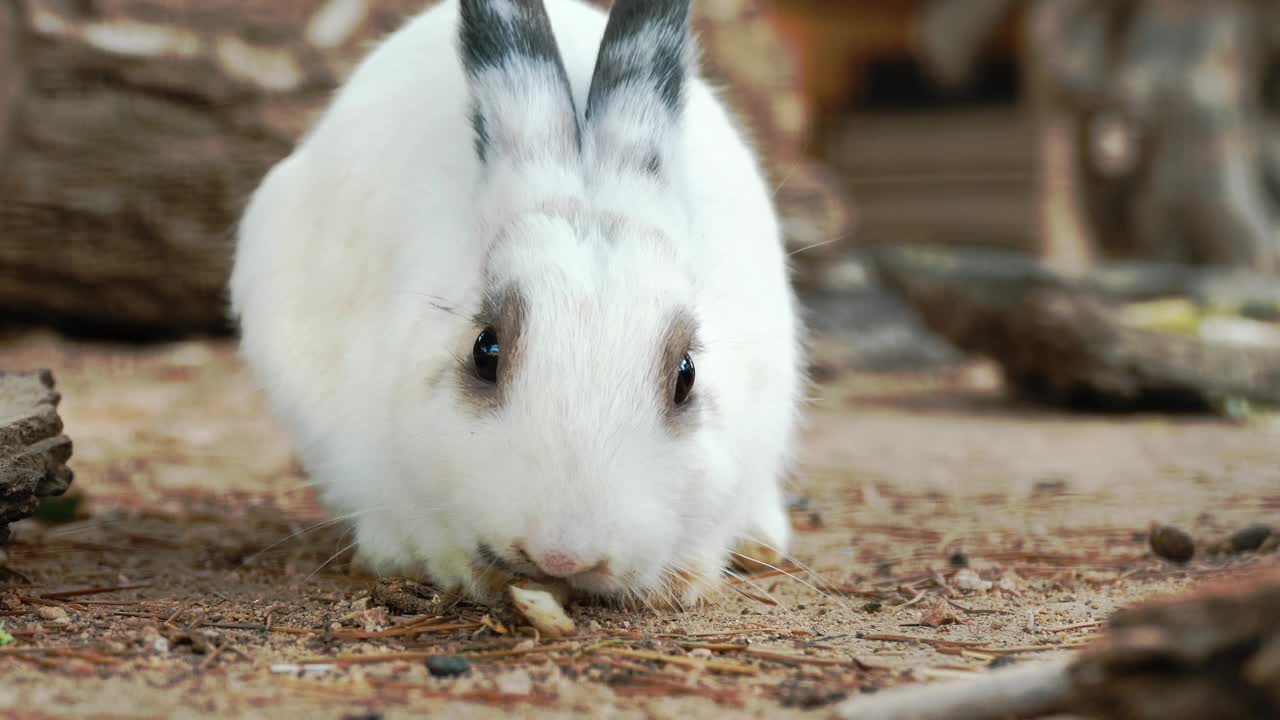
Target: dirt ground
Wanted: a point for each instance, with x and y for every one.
(216, 568)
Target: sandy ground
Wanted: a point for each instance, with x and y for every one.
(191, 494)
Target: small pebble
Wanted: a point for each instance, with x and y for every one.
(447, 665)
(700, 653)
(52, 613)
(939, 615)
(151, 637)
(808, 697)
(1172, 544)
(1002, 661)
(1008, 582)
(1049, 486)
(1250, 539)
(969, 580)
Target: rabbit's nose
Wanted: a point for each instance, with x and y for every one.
(558, 563)
(562, 563)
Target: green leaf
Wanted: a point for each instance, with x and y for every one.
(59, 509)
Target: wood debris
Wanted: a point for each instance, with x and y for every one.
(408, 597)
(540, 606)
(33, 449)
(1214, 653)
(939, 614)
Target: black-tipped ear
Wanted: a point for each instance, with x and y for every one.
(637, 90)
(522, 104)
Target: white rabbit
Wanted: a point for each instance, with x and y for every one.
(477, 292)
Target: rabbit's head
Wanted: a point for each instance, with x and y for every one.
(591, 452)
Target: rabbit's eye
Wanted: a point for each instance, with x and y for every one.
(684, 380)
(486, 353)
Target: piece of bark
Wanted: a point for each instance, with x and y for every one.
(1060, 339)
(1215, 653)
(33, 449)
(1212, 653)
(144, 125)
(141, 131)
(408, 597)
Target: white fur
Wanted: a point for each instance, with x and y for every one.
(362, 257)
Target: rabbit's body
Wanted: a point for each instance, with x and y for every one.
(439, 196)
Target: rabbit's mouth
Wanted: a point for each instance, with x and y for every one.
(677, 590)
(598, 582)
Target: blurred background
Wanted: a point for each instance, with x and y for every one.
(1076, 131)
(1085, 191)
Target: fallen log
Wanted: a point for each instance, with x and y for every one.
(136, 130)
(33, 449)
(1074, 341)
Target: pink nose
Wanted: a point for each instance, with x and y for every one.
(558, 563)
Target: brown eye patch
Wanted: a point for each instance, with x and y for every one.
(674, 377)
(492, 356)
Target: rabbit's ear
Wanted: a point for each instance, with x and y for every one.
(522, 106)
(637, 92)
